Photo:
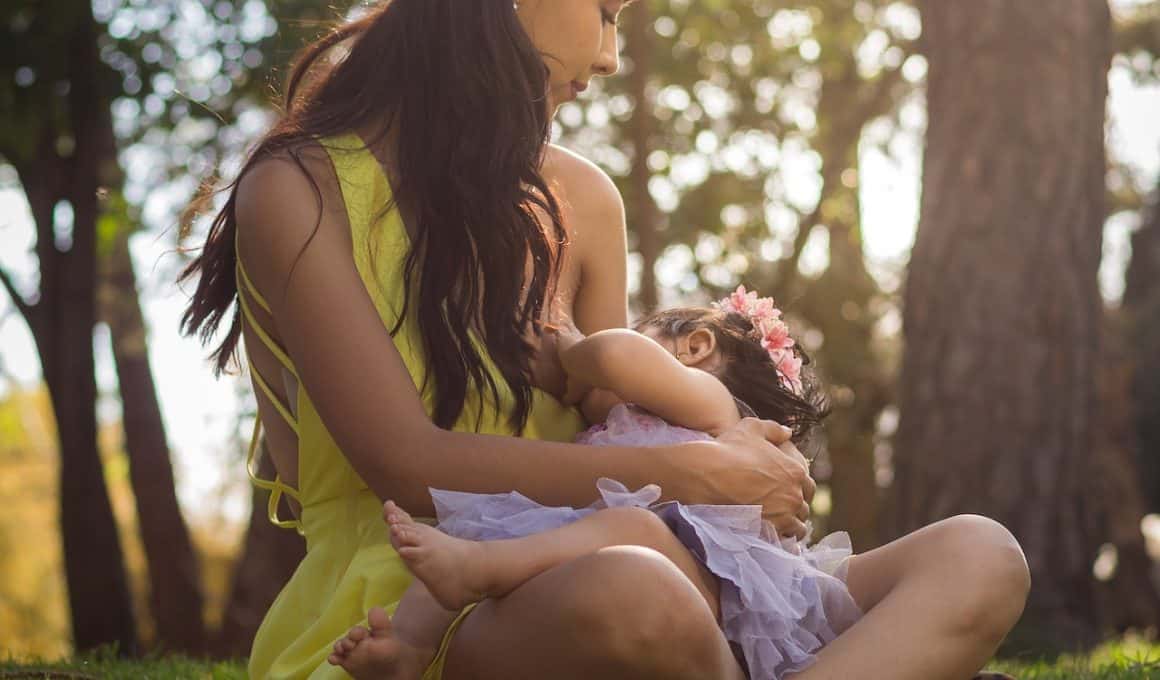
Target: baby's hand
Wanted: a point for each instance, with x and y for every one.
(567, 335)
(547, 373)
(575, 392)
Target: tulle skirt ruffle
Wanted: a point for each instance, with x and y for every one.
(781, 599)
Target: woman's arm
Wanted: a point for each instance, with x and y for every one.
(639, 370)
(361, 388)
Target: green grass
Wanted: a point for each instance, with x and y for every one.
(1127, 659)
(106, 666)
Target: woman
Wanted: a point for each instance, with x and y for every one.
(394, 243)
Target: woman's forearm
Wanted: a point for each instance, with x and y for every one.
(552, 473)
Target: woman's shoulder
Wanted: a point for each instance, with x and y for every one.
(301, 181)
(298, 165)
(582, 181)
(284, 201)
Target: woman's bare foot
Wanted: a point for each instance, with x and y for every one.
(377, 653)
(455, 571)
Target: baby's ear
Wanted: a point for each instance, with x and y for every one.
(702, 344)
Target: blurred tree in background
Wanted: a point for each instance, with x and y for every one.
(738, 134)
(1001, 411)
(724, 111)
(58, 136)
(1138, 40)
(147, 91)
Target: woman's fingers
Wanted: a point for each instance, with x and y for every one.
(774, 433)
(790, 527)
(780, 481)
(809, 486)
(789, 447)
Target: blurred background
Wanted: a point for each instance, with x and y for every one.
(955, 202)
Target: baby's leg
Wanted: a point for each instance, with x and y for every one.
(458, 572)
(398, 648)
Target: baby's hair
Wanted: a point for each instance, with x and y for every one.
(747, 370)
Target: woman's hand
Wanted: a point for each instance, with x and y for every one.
(753, 463)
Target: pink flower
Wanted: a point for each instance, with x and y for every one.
(764, 310)
(766, 320)
(790, 366)
(743, 302)
(776, 336)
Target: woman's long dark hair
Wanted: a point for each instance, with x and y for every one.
(464, 89)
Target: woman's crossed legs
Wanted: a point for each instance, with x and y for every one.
(938, 603)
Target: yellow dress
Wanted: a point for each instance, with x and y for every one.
(350, 565)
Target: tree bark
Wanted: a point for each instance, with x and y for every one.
(174, 576)
(643, 215)
(1002, 309)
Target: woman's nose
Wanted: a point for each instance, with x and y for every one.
(608, 62)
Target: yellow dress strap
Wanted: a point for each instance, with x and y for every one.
(282, 409)
(248, 312)
(276, 486)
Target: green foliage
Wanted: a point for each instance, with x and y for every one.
(736, 91)
(1138, 41)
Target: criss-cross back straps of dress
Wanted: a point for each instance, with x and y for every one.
(276, 486)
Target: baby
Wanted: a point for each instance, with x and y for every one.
(683, 374)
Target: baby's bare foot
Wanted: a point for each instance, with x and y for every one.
(377, 654)
(454, 570)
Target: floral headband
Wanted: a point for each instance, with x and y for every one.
(766, 320)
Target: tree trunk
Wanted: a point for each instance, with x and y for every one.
(839, 304)
(1002, 308)
(62, 323)
(269, 557)
(643, 215)
(1128, 599)
(174, 581)
(1141, 307)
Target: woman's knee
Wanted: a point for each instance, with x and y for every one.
(638, 608)
(983, 562)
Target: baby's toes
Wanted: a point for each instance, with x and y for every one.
(404, 516)
(402, 535)
(390, 512)
(379, 621)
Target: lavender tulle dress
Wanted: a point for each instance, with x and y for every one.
(781, 599)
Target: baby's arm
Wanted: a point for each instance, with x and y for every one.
(639, 370)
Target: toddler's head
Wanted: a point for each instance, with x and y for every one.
(743, 342)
